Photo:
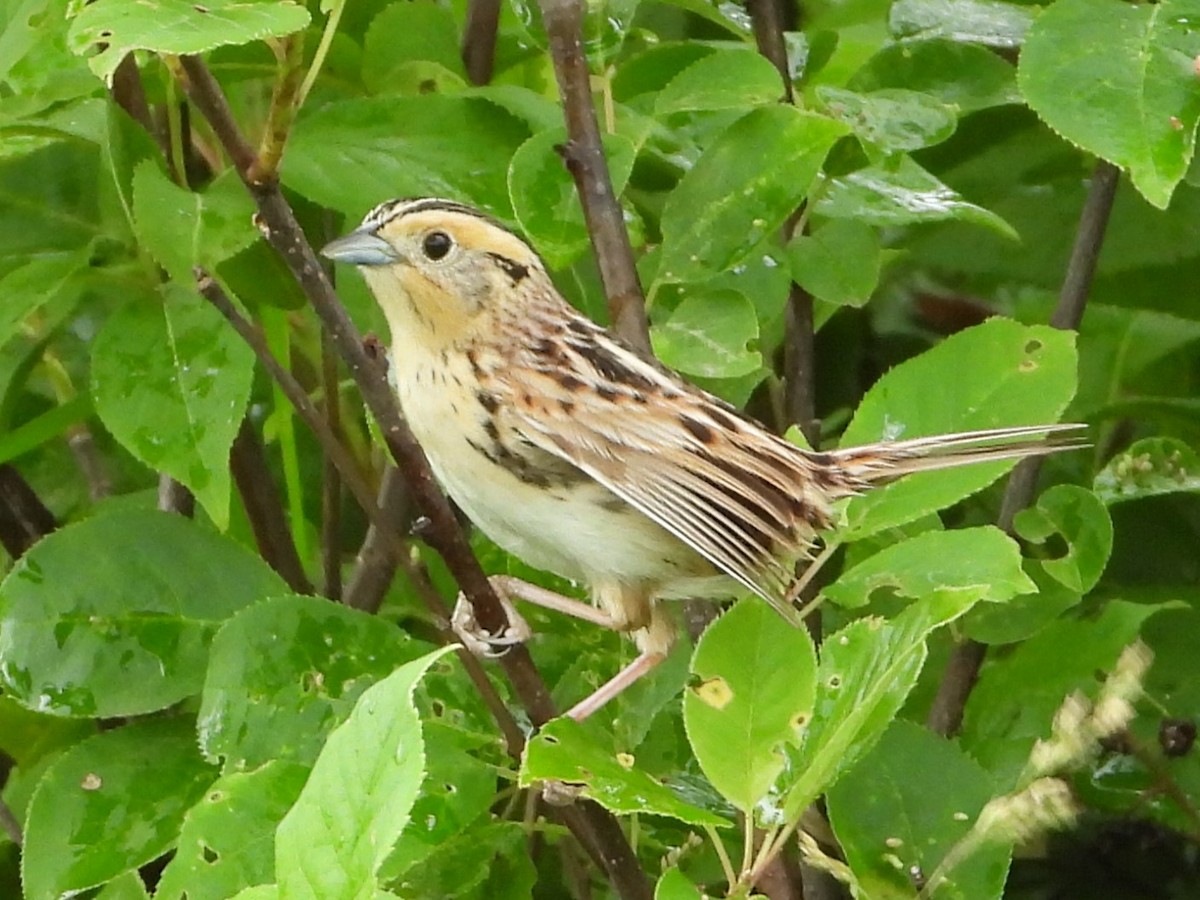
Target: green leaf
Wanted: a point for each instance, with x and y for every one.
(982, 563)
(989, 22)
(674, 885)
(183, 229)
(564, 751)
(910, 801)
(489, 861)
(1077, 517)
(458, 789)
(111, 804)
(128, 632)
(359, 796)
(403, 146)
(227, 841)
(753, 686)
(171, 380)
(1128, 92)
(1017, 695)
(727, 203)
(901, 193)
(866, 672)
(34, 284)
(403, 33)
(967, 77)
(891, 119)
(838, 262)
(544, 198)
(735, 78)
(124, 887)
(708, 334)
(50, 424)
(1149, 468)
(1000, 373)
(283, 673)
(176, 26)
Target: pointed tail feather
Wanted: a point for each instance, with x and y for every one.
(888, 460)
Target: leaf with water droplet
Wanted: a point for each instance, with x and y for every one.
(123, 634)
(171, 381)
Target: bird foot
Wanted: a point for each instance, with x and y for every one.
(485, 643)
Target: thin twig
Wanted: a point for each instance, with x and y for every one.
(10, 824)
(174, 497)
(962, 669)
(377, 557)
(479, 39)
(264, 509)
(584, 158)
(331, 483)
(284, 102)
(24, 519)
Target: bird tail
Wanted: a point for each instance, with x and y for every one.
(886, 461)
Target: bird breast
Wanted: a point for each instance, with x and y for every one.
(532, 504)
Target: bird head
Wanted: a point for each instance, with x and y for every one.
(439, 270)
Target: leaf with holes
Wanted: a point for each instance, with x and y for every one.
(564, 751)
(176, 27)
(866, 672)
(753, 686)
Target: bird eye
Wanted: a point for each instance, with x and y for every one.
(437, 244)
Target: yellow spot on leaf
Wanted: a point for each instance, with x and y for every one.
(715, 692)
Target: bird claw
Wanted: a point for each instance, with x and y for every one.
(484, 643)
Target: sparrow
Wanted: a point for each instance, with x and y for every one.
(582, 458)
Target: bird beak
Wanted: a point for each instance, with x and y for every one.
(361, 248)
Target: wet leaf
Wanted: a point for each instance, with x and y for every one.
(126, 633)
(110, 804)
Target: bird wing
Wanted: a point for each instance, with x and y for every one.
(742, 498)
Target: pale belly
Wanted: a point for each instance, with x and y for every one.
(571, 526)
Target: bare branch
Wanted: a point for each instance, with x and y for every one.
(479, 39)
(962, 669)
(331, 483)
(378, 558)
(24, 519)
(174, 497)
(264, 509)
(584, 156)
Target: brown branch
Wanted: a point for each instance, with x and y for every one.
(174, 497)
(10, 824)
(24, 519)
(479, 39)
(331, 483)
(584, 158)
(378, 556)
(264, 509)
(962, 669)
(87, 457)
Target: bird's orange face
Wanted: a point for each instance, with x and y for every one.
(437, 272)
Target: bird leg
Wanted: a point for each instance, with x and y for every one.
(517, 631)
(508, 588)
(642, 664)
